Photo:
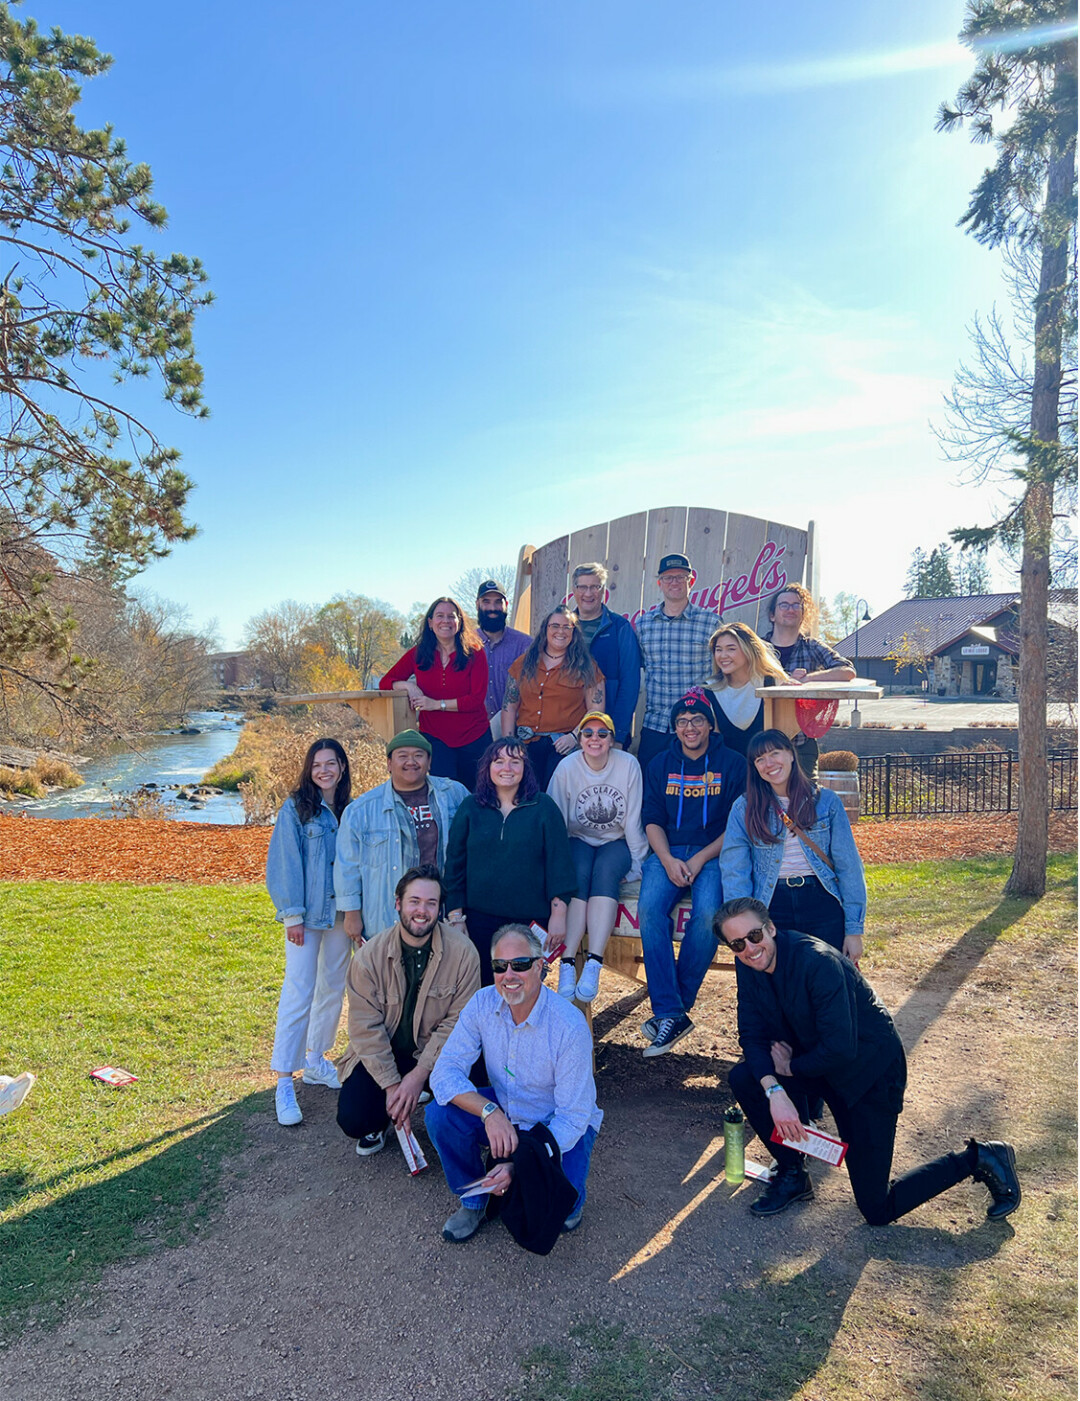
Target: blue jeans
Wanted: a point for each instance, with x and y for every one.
(458, 1138)
(673, 991)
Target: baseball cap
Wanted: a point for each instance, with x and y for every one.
(490, 586)
(674, 562)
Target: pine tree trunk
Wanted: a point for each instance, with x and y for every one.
(1028, 875)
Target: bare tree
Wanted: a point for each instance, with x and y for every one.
(276, 640)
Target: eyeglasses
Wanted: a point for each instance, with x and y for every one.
(519, 965)
(788, 608)
(601, 733)
(690, 722)
(755, 936)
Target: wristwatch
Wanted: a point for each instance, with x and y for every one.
(487, 1111)
(442, 705)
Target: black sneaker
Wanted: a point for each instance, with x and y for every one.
(650, 1028)
(668, 1031)
(791, 1184)
(370, 1143)
(995, 1167)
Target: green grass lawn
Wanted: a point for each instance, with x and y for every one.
(179, 985)
(176, 984)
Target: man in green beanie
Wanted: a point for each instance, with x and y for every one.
(385, 832)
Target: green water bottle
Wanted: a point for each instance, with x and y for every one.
(734, 1145)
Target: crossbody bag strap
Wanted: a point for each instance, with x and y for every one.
(792, 826)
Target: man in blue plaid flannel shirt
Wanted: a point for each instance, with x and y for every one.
(674, 638)
(792, 615)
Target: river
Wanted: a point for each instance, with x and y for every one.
(160, 759)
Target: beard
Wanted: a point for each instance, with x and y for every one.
(418, 926)
(491, 621)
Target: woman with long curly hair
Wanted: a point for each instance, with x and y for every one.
(549, 689)
(788, 844)
(300, 880)
(445, 677)
(508, 855)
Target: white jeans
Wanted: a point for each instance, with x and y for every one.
(311, 996)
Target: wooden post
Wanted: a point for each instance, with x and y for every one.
(387, 712)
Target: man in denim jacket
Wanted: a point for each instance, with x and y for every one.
(401, 824)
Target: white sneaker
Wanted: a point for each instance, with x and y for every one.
(567, 979)
(588, 985)
(288, 1111)
(325, 1073)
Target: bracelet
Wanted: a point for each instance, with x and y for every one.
(774, 1090)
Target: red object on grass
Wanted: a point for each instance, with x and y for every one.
(815, 716)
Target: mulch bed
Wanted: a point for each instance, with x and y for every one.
(147, 851)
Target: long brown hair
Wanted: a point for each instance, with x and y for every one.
(577, 664)
(760, 658)
(466, 641)
(307, 797)
(761, 806)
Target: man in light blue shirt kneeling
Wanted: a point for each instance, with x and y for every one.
(538, 1051)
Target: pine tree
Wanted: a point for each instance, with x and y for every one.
(1022, 96)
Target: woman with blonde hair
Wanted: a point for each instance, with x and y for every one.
(741, 662)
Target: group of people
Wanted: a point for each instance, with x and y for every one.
(509, 819)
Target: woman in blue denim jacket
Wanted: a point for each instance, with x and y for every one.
(300, 879)
(765, 856)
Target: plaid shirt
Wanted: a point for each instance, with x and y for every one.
(676, 653)
(811, 654)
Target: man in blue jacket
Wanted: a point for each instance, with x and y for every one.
(810, 1025)
(614, 647)
(688, 793)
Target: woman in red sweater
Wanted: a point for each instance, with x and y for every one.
(445, 677)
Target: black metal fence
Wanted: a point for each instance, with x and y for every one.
(913, 785)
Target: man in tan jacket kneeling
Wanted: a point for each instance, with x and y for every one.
(406, 987)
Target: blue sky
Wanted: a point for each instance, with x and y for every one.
(487, 272)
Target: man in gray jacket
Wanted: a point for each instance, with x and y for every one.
(384, 832)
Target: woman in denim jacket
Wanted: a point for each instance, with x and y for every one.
(764, 856)
(300, 879)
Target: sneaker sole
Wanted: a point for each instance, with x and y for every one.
(655, 1050)
(290, 1123)
(326, 1084)
(649, 1029)
(370, 1152)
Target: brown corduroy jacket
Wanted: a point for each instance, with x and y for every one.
(376, 987)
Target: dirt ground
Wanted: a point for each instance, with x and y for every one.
(149, 851)
(324, 1275)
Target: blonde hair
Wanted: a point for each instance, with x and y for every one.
(759, 656)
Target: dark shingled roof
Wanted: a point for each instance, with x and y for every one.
(944, 620)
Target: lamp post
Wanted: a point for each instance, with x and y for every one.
(856, 717)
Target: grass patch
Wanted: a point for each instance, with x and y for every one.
(34, 782)
(176, 984)
(968, 1311)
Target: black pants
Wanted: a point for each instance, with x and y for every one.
(545, 759)
(868, 1127)
(810, 909)
(651, 743)
(460, 763)
(361, 1106)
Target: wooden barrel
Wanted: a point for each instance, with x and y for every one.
(846, 788)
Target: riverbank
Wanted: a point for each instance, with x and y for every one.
(150, 851)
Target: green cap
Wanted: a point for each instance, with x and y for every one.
(409, 739)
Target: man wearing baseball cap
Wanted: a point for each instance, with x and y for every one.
(674, 639)
(386, 831)
(502, 644)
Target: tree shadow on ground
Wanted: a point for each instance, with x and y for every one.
(939, 984)
(52, 1252)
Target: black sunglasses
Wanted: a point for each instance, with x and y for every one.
(754, 936)
(519, 965)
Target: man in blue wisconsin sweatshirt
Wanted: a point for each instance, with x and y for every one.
(688, 793)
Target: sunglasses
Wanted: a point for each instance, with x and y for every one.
(601, 733)
(754, 936)
(519, 965)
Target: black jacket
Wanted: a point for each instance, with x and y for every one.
(819, 1002)
(540, 1196)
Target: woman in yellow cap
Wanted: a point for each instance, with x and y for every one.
(598, 791)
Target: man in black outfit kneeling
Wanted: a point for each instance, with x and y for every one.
(811, 1025)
